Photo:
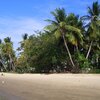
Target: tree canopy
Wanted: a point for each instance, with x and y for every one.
(69, 43)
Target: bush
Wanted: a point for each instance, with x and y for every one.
(83, 63)
(96, 71)
(24, 70)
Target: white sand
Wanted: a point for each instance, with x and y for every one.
(50, 87)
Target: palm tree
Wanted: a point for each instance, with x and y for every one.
(0, 41)
(61, 29)
(8, 53)
(93, 27)
(25, 36)
(22, 43)
(2, 66)
(7, 40)
(75, 38)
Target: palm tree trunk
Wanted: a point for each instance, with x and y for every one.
(89, 50)
(97, 60)
(11, 63)
(68, 51)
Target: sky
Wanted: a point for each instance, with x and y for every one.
(26, 16)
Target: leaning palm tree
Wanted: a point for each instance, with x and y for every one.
(8, 53)
(93, 27)
(61, 29)
(2, 66)
(73, 37)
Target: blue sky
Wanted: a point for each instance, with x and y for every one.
(25, 16)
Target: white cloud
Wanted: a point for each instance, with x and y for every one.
(20, 25)
(16, 27)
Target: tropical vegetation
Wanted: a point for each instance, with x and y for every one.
(69, 43)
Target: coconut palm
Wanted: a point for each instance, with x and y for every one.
(74, 37)
(7, 40)
(63, 30)
(93, 27)
(25, 36)
(8, 53)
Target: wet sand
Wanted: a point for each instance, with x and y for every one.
(49, 87)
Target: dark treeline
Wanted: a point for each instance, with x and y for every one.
(69, 43)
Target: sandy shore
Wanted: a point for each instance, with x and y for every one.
(49, 87)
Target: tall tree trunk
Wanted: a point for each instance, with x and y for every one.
(12, 67)
(68, 51)
(89, 50)
(97, 60)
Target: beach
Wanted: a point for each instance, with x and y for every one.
(49, 86)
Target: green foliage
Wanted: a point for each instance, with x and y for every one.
(83, 63)
(7, 55)
(46, 52)
(95, 71)
(24, 70)
(64, 45)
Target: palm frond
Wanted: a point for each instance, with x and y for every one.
(85, 17)
(59, 14)
(52, 22)
(71, 28)
(71, 38)
(57, 34)
(95, 8)
(90, 11)
(50, 28)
